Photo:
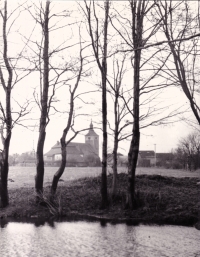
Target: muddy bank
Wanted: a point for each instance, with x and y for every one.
(160, 200)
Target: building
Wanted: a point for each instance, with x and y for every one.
(91, 138)
(151, 159)
(78, 154)
(146, 158)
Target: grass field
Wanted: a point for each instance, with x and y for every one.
(158, 199)
(172, 198)
(24, 176)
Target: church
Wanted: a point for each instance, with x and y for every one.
(78, 154)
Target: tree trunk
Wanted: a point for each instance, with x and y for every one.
(135, 142)
(39, 178)
(115, 148)
(4, 173)
(8, 116)
(103, 69)
(61, 169)
(114, 182)
(44, 107)
(104, 194)
(137, 29)
(132, 163)
(4, 185)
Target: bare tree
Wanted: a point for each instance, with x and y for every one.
(137, 11)
(135, 35)
(179, 21)
(190, 150)
(121, 122)
(69, 126)
(10, 75)
(100, 53)
(44, 103)
(51, 73)
(136, 31)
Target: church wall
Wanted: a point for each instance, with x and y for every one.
(94, 142)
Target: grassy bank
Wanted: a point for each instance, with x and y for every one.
(163, 200)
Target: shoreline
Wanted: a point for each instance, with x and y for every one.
(75, 217)
(160, 200)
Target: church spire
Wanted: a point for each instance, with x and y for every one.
(91, 125)
(92, 138)
(91, 131)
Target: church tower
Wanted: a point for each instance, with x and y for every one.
(93, 139)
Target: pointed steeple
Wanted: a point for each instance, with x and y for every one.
(91, 125)
(91, 131)
(92, 138)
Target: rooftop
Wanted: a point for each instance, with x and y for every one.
(72, 148)
(144, 154)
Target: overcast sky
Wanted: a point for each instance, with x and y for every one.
(163, 138)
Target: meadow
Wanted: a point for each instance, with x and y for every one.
(24, 176)
(163, 196)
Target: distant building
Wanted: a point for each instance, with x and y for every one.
(146, 158)
(78, 154)
(150, 158)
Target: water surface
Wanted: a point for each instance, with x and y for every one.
(93, 239)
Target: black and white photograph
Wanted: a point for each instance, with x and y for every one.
(99, 128)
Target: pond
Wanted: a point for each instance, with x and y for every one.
(92, 239)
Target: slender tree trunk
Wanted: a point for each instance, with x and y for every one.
(104, 194)
(135, 142)
(115, 162)
(4, 177)
(4, 174)
(4, 186)
(44, 106)
(132, 163)
(39, 179)
(61, 169)
(116, 142)
(5, 153)
(103, 69)
(137, 9)
(8, 117)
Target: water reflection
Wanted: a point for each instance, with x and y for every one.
(96, 239)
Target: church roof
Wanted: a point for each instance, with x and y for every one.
(72, 148)
(91, 131)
